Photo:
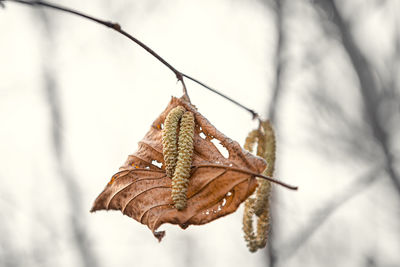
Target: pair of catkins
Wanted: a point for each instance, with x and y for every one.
(177, 138)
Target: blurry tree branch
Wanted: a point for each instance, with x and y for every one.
(277, 7)
(278, 60)
(9, 254)
(377, 91)
(372, 92)
(118, 28)
(373, 96)
(79, 233)
(321, 215)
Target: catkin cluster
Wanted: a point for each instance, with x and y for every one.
(178, 134)
(259, 206)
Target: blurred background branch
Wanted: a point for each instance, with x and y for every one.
(78, 229)
(277, 7)
(376, 91)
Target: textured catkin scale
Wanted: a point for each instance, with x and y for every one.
(169, 139)
(248, 231)
(270, 148)
(262, 228)
(262, 197)
(251, 139)
(180, 180)
(248, 213)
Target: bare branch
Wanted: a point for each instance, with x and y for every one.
(117, 27)
(253, 113)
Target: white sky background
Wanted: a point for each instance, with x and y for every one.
(112, 90)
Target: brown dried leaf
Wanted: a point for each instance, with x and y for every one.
(217, 185)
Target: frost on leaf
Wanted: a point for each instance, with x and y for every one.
(217, 184)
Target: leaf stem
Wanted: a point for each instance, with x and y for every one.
(117, 27)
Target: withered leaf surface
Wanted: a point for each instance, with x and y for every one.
(217, 185)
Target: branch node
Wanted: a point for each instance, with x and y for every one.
(179, 76)
(116, 26)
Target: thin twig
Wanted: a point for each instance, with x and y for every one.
(253, 113)
(291, 187)
(117, 27)
(185, 94)
(109, 24)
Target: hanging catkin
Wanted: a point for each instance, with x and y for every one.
(180, 180)
(248, 230)
(264, 136)
(178, 151)
(267, 151)
(251, 139)
(169, 139)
